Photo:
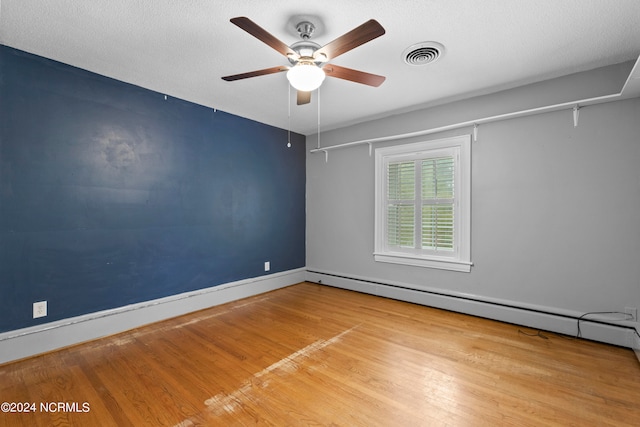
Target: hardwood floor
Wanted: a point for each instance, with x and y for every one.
(315, 355)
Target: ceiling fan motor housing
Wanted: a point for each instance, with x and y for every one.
(305, 50)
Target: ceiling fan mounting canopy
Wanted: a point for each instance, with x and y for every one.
(309, 59)
(305, 29)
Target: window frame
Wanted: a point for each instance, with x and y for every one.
(460, 258)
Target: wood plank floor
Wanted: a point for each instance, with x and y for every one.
(315, 356)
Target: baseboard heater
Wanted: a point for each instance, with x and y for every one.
(602, 329)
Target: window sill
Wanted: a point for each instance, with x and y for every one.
(442, 263)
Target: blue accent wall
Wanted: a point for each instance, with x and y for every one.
(112, 195)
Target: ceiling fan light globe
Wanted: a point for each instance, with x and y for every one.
(305, 77)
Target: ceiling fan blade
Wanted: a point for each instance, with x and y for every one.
(256, 73)
(304, 97)
(353, 75)
(261, 34)
(354, 38)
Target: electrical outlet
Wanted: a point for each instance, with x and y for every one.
(267, 266)
(39, 309)
(632, 312)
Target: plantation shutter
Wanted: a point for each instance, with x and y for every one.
(438, 213)
(420, 204)
(401, 204)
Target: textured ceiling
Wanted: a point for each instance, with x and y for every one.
(182, 48)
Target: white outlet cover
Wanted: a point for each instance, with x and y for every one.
(39, 309)
(267, 266)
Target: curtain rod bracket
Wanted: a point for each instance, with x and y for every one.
(475, 132)
(370, 148)
(576, 115)
(326, 155)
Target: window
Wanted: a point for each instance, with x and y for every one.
(423, 195)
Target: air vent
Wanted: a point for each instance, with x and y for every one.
(423, 53)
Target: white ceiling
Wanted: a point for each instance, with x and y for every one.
(182, 48)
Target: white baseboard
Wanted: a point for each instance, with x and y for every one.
(635, 343)
(619, 333)
(22, 343)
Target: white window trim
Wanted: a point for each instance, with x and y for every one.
(461, 260)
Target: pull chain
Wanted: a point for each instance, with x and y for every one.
(289, 118)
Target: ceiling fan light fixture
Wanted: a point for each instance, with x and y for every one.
(305, 77)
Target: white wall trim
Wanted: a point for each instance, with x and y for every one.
(621, 333)
(635, 343)
(26, 342)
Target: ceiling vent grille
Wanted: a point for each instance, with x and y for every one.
(423, 53)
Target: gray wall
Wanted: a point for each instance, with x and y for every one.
(554, 208)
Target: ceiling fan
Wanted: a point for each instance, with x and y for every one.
(309, 60)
